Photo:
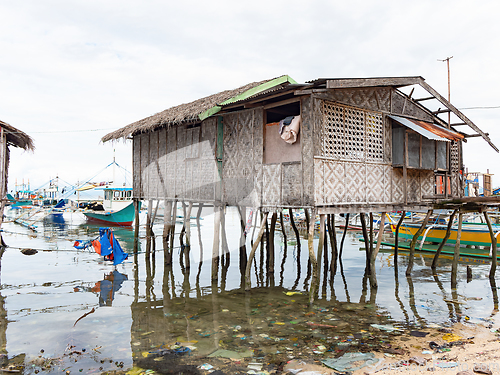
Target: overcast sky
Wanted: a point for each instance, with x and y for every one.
(73, 71)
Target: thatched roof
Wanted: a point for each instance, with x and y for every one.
(17, 138)
(192, 112)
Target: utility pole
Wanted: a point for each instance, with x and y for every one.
(448, 66)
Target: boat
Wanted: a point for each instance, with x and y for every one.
(476, 234)
(117, 207)
(466, 253)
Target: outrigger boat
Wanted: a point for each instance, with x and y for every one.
(476, 234)
(117, 208)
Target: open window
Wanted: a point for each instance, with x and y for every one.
(282, 133)
(420, 145)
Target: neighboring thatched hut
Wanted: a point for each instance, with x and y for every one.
(9, 136)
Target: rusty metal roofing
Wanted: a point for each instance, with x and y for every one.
(428, 130)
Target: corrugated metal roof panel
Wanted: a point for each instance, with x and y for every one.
(428, 130)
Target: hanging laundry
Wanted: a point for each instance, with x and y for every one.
(289, 129)
(82, 244)
(108, 246)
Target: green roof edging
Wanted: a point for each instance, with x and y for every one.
(257, 89)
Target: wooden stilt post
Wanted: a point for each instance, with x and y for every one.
(371, 232)
(312, 257)
(243, 248)
(493, 247)
(414, 242)
(456, 253)
(216, 244)
(333, 244)
(322, 218)
(373, 255)
(362, 218)
(167, 222)
(308, 219)
(443, 242)
(187, 225)
(396, 236)
(343, 235)
(148, 228)
(136, 226)
(272, 230)
(248, 280)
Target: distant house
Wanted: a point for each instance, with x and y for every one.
(9, 136)
(353, 145)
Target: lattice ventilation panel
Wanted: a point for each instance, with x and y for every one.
(455, 157)
(352, 134)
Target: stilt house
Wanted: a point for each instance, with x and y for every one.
(9, 136)
(340, 145)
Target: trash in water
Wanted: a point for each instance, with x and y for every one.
(231, 354)
(451, 337)
(351, 361)
(385, 327)
(418, 333)
(205, 366)
(446, 364)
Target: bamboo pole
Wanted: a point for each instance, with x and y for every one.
(333, 244)
(216, 244)
(272, 230)
(456, 253)
(167, 222)
(148, 228)
(362, 218)
(443, 242)
(321, 241)
(414, 242)
(396, 236)
(493, 247)
(343, 235)
(248, 281)
(373, 255)
(312, 257)
(136, 225)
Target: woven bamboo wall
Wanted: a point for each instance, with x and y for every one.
(354, 166)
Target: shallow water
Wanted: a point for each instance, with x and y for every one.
(135, 309)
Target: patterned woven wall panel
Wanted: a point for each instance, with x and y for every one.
(208, 138)
(271, 186)
(291, 184)
(397, 185)
(376, 99)
(355, 182)
(375, 183)
(427, 183)
(319, 182)
(207, 177)
(387, 191)
(334, 182)
(414, 190)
